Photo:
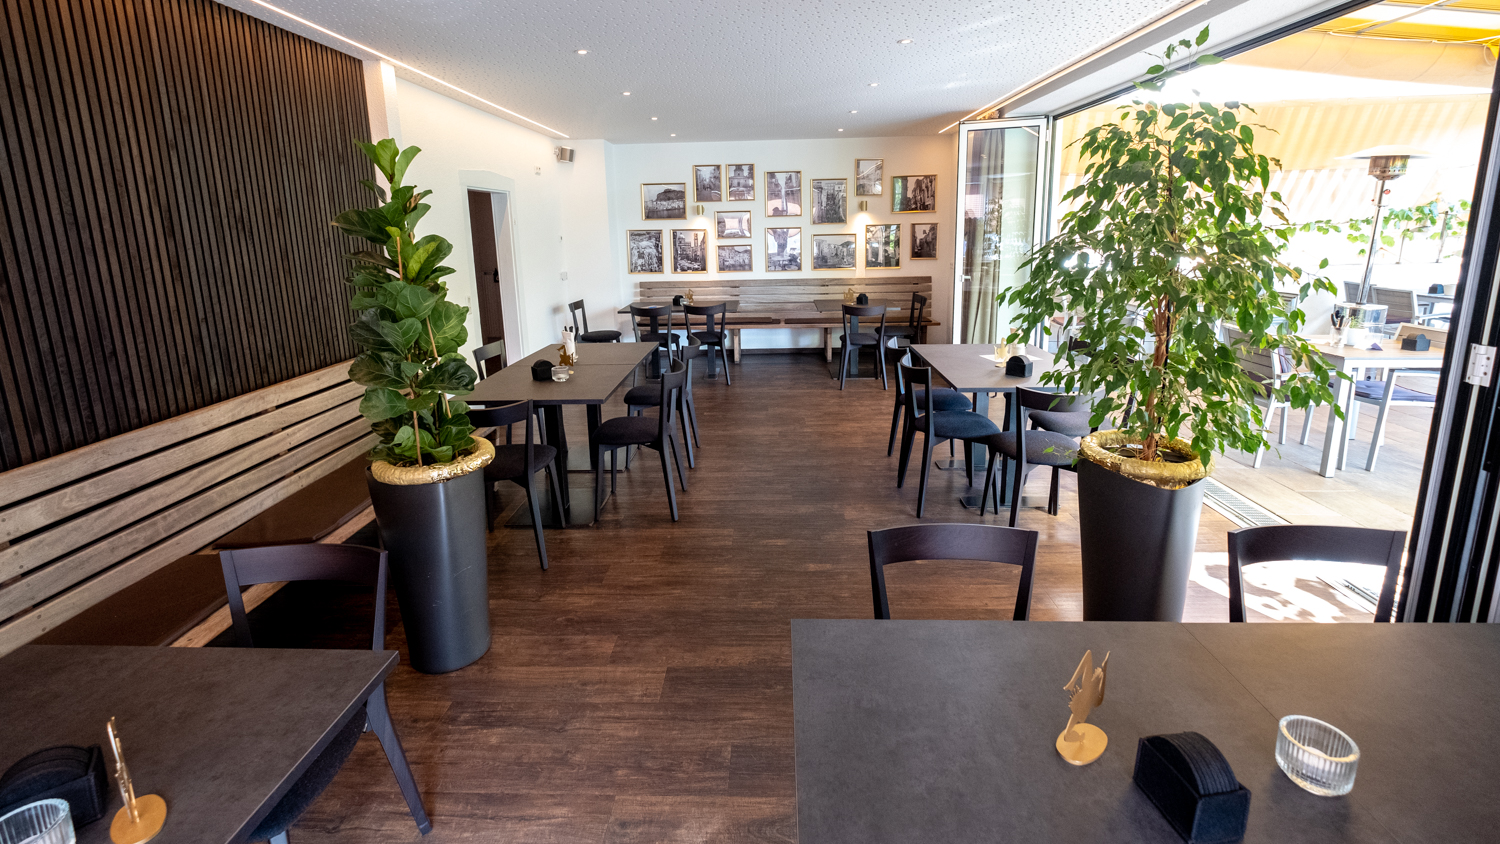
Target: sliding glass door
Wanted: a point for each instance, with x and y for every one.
(1002, 188)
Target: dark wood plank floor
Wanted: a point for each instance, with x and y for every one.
(640, 691)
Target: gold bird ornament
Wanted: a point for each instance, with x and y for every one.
(1080, 742)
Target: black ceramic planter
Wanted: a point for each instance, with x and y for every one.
(1137, 542)
(435, 534)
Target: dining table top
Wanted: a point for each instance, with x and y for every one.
(945, 730)
(220, 734)
(1390, 353)
(600, 370)
(824, 306)
(971, 367)
(730, 305)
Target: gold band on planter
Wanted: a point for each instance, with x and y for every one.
(435, 473)
(1096, 448)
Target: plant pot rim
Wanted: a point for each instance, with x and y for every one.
(1095, 448)
(435, 473)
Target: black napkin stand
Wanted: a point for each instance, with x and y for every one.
(1175, 771)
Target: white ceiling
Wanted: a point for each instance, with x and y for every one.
(749, 70)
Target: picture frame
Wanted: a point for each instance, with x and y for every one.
(664, 201)
(739, 182)
(913, 194)
(736, 258)
(689, 250)
(869, 176)
(835, 251)
(732, 225)
(643, 252)
(830, 201)
(924, 243)
(783, 250)
(783, 193)
(883, 246)
(708, 183)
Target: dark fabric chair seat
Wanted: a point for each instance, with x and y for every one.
(945, 398)
(1043, 448)
(629, 430)
(860, 339)
(312, 782)
(1073, 423)
(600, 336)
(709, 338)
(645, 395)
(957, 425)
(1368, 389)
(510, 461)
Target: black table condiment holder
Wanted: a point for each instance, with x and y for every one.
(1416, 343)
(1190, 782)
(542, 370)
(74, 774)
(1019, 366)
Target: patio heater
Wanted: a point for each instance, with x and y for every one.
(1386, 163)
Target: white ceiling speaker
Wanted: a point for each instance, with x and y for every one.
(564, 154)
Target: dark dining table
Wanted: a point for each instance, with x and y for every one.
(600, 370)
(945, 730)
(220, 734)
(969, 368)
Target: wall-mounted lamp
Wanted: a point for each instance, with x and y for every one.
(564, 154)
(864, 205)
(697, 210)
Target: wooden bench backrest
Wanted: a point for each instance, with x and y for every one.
(780, 297)
(80, 526)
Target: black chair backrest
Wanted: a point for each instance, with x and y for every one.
(503, 417)
(653, 313)
(918, 308)
(575, 308)
(908, 380)
(672, 385)
(489, 358)
(985, 543)
(851, 311)
(1329, 543)
(275, 563)
(1060, 403)
(712, 314)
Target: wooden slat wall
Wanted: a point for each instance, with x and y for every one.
(167, 172)
(78, 527)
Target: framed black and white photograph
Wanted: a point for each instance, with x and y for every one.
(869, 176)
(783, 250)
(784, 193)
(883, 246)
(913, 193)
(834, 251)
(664, 201)
(732, 224)
(707, 183)
(689, 250)
(741, 179)
(830, 198)
(735, 258)
(643, 251)
(923, 241)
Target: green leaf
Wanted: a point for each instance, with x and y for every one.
(398, 168)
(358, 222)
(381, 403)
(452, 375)
(1209, 59)
(447, 321)
(373, 188)
(371, 370)
(413, 302)
(1202, 37)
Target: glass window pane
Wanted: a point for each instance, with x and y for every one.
(998, 206)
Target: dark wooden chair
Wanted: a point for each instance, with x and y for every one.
(912, 330)
(519, 463)
(1029, 449)
(584, 335)
(489, 359)
(348, 563)
(852, 341)
(663, 337)
(935, 426)
(943, 398)
(714, 334)
(984, 543)
(1330, 543)
(637, 399)
(625, 431)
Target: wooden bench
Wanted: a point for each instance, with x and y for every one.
(788, 302)
(117, 525)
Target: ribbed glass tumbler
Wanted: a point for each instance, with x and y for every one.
(1316, 755)
(42, 822)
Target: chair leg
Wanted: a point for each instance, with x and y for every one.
(844, 363)
(672, 443)
(1052, 495)
(536, 519)
(1016, 487)
(1260, 454)
(908, 434)
(666, 473)
(692, 416)
(989, 479)
(926, 469)
(724, 353)
(1286, 411)
(880, 357)
(599, 476)
(279, 838)
(379, 716)
(614, 466)
(968, 461)
(890, 447)
(1307, 425)
(1379, 438)
(562, 515)
(687, 442)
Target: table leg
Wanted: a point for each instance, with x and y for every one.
(1351, 420)
(981, 457)
(1333, 439)
(557, 438)
(828, 345)
(736, 335)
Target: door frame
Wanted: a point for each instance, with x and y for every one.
(512, 294)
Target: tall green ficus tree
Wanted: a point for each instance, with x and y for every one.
(1173, 233)
(411, 367)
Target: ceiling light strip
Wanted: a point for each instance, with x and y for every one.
(1006, 99)
(399, 63)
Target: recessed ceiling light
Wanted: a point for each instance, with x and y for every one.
(626, 93)
(873, 84)
(653, 118)
(674, 134)
(841, 130)
(582, 52)
(854, 111)
(904, 41)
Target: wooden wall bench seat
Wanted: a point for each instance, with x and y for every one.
(134, 512)
(788, 302)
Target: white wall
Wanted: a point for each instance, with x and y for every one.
(635, 164)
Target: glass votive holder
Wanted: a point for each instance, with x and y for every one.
(561, 373)
(1316, 755)
(42, 822)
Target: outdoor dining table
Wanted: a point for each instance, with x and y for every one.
(1355, 361)
(945, 730)
(600, 370)
(971, 368)
(220, 734)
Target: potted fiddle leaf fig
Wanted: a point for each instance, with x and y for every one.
(1169, 264)
(426, 475)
